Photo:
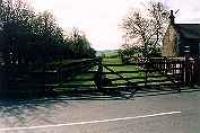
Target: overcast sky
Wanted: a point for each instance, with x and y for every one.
(189, 10)
(100, 19)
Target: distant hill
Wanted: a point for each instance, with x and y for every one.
(108, 53)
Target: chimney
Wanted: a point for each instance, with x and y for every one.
(171, 17)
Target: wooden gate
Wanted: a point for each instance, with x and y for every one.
(146, 77)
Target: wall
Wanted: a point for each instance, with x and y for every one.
(169, 42)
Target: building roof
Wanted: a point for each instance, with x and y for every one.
(189, 31)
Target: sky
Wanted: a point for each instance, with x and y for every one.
(100, 19)
(189, 10)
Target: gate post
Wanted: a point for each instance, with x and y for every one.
(182, 72)
(99, 74)
(146, 70)
(60, 71)
(187, 77)
(165, 66)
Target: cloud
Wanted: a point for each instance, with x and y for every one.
(188, 10)
(100, 19)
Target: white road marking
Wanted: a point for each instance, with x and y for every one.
(89, 122)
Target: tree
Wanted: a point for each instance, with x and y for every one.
(80, 44)
(14, 20)
(148, 27)
(30, 41)
(27, 37)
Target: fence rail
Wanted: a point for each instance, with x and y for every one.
(182, 70)
(42, 79)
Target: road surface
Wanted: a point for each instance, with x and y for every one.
(173, 113)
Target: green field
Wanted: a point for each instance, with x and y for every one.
(118, 78)
(115, 59)
(110, 58)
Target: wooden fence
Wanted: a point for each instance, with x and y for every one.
(181, 70)
(18, 82)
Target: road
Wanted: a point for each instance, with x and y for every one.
(173, 113)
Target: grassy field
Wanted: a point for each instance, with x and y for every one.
(110, 58)
(115, 59)
(86, 80)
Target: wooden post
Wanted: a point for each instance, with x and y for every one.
(99, 74)
(187, 66)
(165, 65)
(60, 71)
(182, 72)
(173, 68)
(191, 71)
(146, 70)
(3, 80)
(197, 70)
(44, 78)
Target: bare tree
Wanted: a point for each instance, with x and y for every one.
(147, 26)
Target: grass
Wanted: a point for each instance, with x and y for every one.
(115, 60)
(111, 54)
(79, 81)
(109, 59)
(137, 76)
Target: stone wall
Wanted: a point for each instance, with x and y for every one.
(169, 42)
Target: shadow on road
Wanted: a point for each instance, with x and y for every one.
(14, 111)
